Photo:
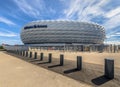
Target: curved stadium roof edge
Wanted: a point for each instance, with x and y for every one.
(74, 21)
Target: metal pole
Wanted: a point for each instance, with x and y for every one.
(50, 58)
(30, 55)
(26, 53)
(79, 62)
(35, 55)
(61, 60)
(41, 56)
(23, 53)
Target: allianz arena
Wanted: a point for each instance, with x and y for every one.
(62, 32)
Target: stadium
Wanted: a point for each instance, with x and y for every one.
(63, 35)
(54, 32)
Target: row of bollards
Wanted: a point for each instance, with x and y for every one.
(108, 68)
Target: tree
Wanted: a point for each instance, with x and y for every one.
(1, 47)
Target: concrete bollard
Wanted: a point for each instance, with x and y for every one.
(20, 53)
(9, 51)
(26, 53)
(61, 60)
(50, 58)
(23, 53)
(16, 52)
(41, 56)
(12, 51)
(79, 62)
(30, 55)
(35, 55)
(109, 68)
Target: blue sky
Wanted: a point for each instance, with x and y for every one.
(14, 14)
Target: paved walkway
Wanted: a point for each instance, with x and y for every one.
(15, 72)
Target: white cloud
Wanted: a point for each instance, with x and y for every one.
(84, 8)
(112, 22)
(118, 33)
(26, 7)
(10, 41)
(113, 12)
(113, 19)
(112, 36)
(6, 21)
(32, 8)
(116, 42)
(73, 8)
(52, 10)
(9, 37)
(6, 33)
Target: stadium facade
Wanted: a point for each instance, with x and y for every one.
(62, 32)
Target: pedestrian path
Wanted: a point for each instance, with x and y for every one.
(15, 72)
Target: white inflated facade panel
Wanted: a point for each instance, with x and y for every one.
(63, 32)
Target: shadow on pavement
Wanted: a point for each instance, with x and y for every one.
(54, 66)
(43, 63)
(35, 60)
(100, 80)
(71, 71)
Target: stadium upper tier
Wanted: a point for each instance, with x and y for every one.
(67, 32)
